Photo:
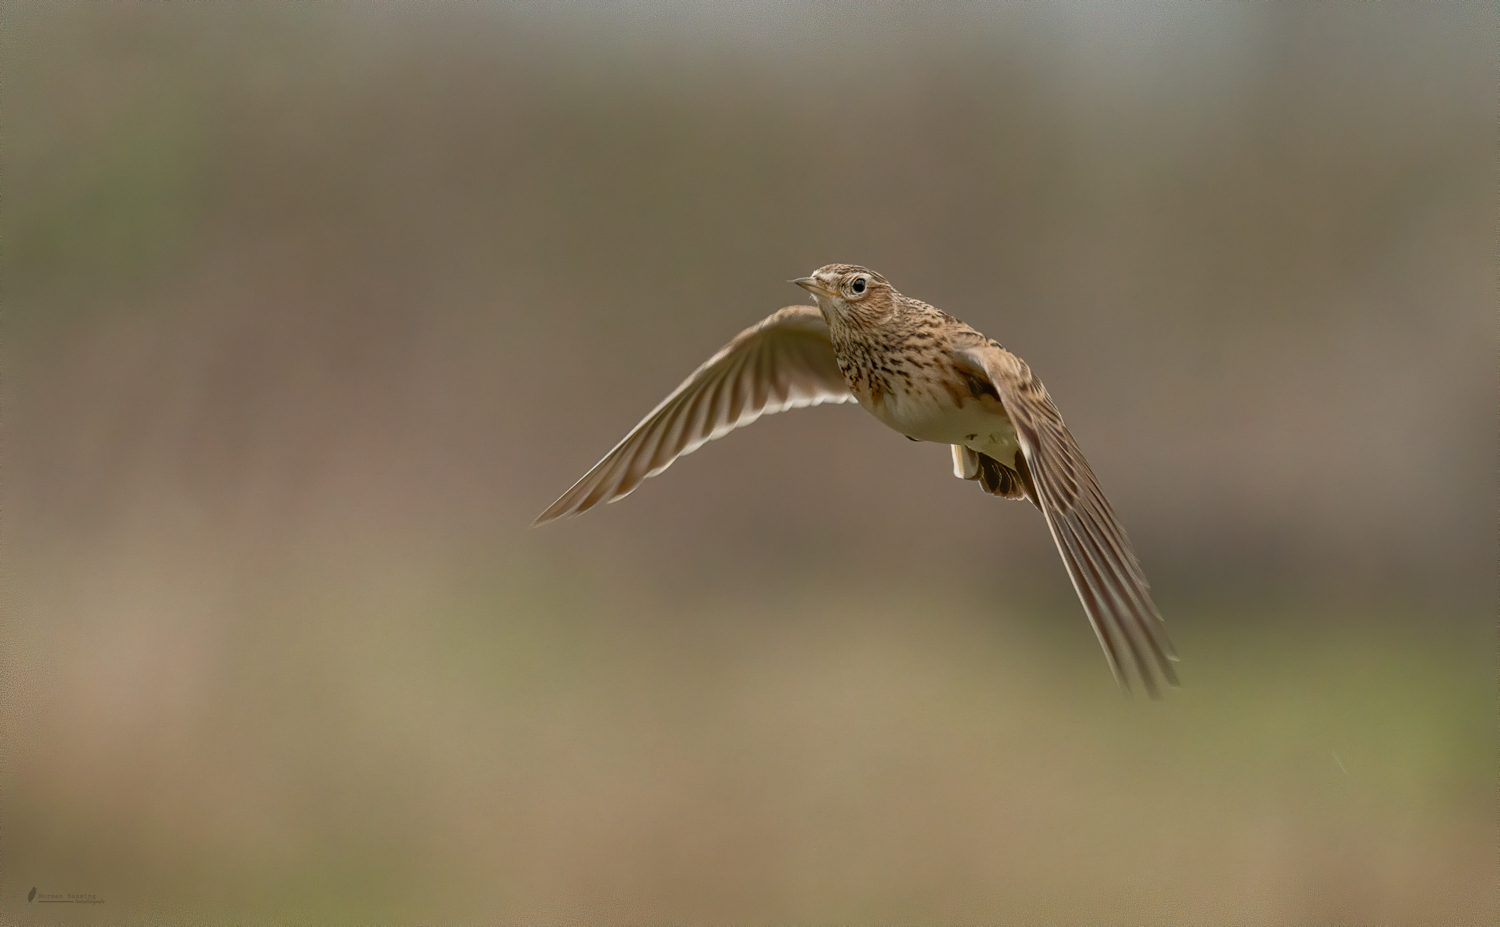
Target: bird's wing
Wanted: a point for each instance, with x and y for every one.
(785, 362)
(1104, 570)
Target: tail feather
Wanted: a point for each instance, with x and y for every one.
(993, 476)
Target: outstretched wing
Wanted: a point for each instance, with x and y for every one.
(785, 362)
(1100, 561)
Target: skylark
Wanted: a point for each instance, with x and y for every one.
(932, 378)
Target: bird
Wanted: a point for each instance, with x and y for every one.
(930, 377)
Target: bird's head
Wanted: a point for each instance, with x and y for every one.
(849, 293)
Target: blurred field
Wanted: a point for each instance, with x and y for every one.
(309, 310)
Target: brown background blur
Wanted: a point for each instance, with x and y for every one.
(310, 309)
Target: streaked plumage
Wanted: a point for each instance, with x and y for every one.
(932, 378)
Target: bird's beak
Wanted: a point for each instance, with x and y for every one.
(811, 285)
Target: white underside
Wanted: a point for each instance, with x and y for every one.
(981, 424)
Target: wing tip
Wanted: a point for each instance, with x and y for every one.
(566, 507)
(1153, 677)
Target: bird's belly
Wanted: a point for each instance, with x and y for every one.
(979, 422)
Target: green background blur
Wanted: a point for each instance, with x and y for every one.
(310, 309)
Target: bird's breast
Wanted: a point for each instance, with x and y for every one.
(932, 400)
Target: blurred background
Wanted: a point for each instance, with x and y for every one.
(310, 309)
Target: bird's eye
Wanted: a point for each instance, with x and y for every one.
(857, 285)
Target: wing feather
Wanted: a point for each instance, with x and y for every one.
(1094, 548)
(784, 362)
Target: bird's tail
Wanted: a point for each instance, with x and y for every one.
(993, 476)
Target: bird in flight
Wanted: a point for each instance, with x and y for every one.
(931, 378)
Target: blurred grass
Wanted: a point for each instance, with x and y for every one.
(478, 737)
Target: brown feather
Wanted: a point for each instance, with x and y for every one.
(784, 362)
